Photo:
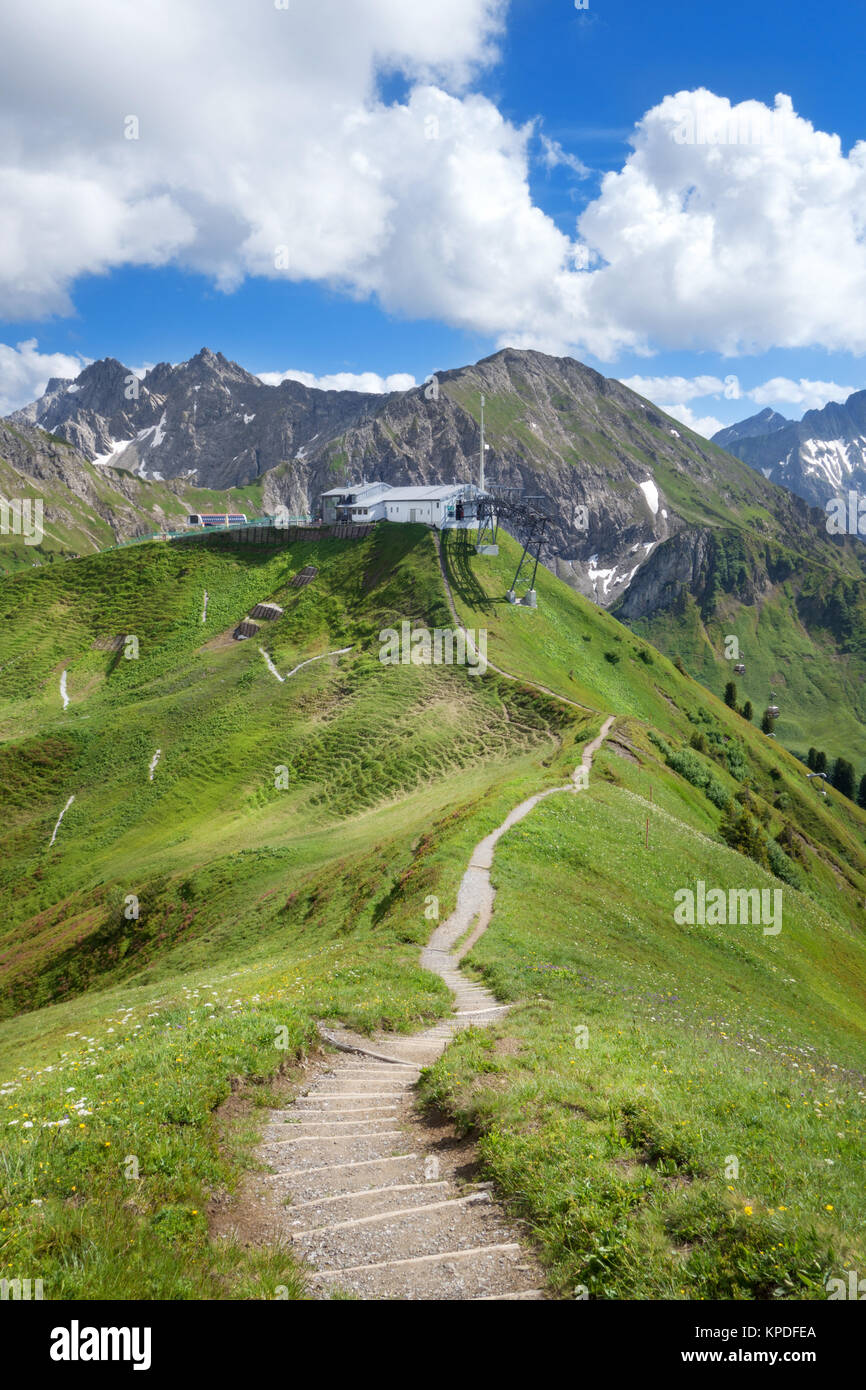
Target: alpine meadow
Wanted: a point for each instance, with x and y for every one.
(432, 659)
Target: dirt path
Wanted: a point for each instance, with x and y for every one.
(378, 1203)
(341, 651)
(476, 895)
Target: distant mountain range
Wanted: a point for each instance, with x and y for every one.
(819, 457)
(555, 428)
(686, 542)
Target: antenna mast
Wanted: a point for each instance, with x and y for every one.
(481, 474)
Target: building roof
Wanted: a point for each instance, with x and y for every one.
(386, 492)
(425, 494)
(355, 490)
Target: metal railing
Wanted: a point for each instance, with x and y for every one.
(194, 532)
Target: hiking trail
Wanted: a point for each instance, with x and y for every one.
(379, 1203)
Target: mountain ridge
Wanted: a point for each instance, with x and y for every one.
(555, 428)
(818, 457)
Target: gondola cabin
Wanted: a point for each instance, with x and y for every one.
(208, 519)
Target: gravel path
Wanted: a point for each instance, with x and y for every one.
(378, 1202)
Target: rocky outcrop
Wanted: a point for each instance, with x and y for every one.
(206, 420)
(84, 509)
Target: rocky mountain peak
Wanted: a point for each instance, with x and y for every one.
(815, 457)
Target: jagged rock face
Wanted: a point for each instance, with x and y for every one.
(207, 420)
(695, 561)
(821, 456)
(32, 464)
(678, 564)
(617, 478)
(91, 411)
(766, 422)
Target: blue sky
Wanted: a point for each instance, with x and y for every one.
(151, 248)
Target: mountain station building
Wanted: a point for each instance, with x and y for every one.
(446, 505)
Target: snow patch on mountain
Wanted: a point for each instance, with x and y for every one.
(117, 447)
(833, 459)
(651, 493)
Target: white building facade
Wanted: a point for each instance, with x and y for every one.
(442, 505)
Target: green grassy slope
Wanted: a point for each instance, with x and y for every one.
(100, 505)
(267, 899)
(703, 1138)
(803, 645)
(283, 859)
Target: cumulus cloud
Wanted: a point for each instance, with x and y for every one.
(255, 141)
(779, 390)
(224, 139)
(344, 381)
(705, 425)
(25, 372)
(808, 395)
(730, 227)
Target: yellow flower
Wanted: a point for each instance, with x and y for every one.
(747, 1210)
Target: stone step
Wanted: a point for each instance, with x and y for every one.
(318, 1152)
(356, 1091)
(447, 1275)
(318, 1135)
(349, 1206)
(458, 1223)
(437, 1201)
(341, 1179)
(337, 1108)
(329, 1124)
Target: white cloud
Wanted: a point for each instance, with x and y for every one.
(257, 128)
(808, 395)
(25, 372)
(734, 246)
(554, 155)
(264, 148)
(344, 381)
(680, 387)
(705, 425)
(779, 390)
